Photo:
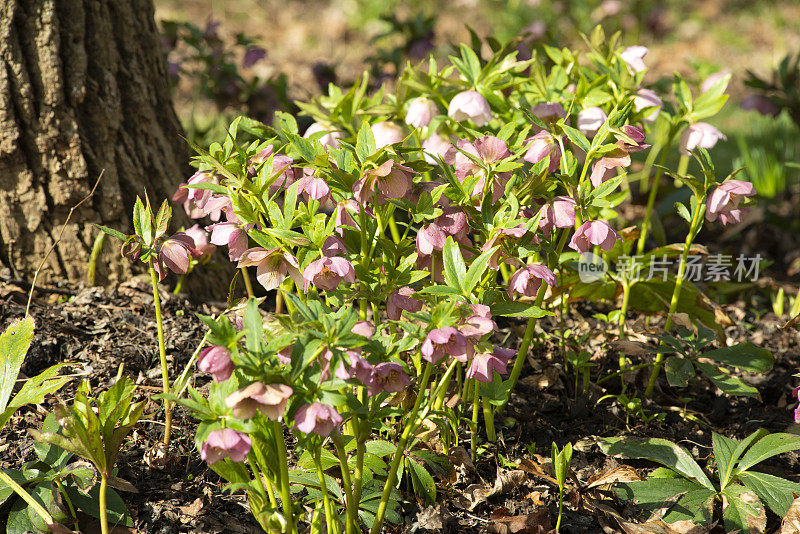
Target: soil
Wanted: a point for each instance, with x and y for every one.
(509, 489)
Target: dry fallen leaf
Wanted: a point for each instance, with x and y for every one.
(632, 348)
(620, 473)
(430, 518)
(546, 379)
(536, 469)
(791, 521)
(535, 523)
(191, 511)
(476, 494)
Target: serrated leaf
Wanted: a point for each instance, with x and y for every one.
(730, 385)
(113, 233)
(767, 447)
(744, 356)
(679, 371)
(742, 511)
(776, 492)
(476, 270)
(365, 142)
(454, 268)
(518, 309)
(421, 480)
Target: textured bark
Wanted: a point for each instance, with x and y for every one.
(83, 90)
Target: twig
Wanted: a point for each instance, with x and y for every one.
(58, 240)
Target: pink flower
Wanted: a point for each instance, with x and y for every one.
(253, 55)
(175, 253)
(391, 179)
(402, 300)
(326, 273)
(590, 120)
(189, 206)
(225, 443)
(333, 246)
(231, 234)
(484, 365)
(359, 368)
(526, 281)
(313, 187)
(201, 241)
(724, 201)
(647, 98)
(558, 213)
(699, 134)
(603, 169)
(541, 146)
(549, 112)
(593, 233)
(217, 361)
(762, 104)
(344, 218)
(364, 329)
(318, 418)
(420, 112)
(634, 134)
(287, 175)
(796, 393)
(470, 105)
(490, 150)
(387, 133)
(435, 145)
(269, 399)
(441, 342)
(499, 238)
(633, 56)
(477, 326)
(273, 265)
(329, 139)
(389, 377)
(201, 196)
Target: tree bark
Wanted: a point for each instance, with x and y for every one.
(83, 90)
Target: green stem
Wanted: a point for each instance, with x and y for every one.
(476, 402)
(488, 420)
(285, 489)
(560, 508)
(103, 509)
(97, 248)
(33, 503)
(329, 519)
(411, 426)
(162, 354)
(64, 494)
(352, 504)
(247, 283)
(697, 221)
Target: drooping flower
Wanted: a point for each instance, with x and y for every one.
(359, 368)
(387, 133)
(364, 328)
(528, 280)
(634, 134)
(175, 253)
(470, 105)
(269, 399)
(541, 146)
(699, 134)
(647, 98)
(633, 56)
(201, 241)
(232, 234)
(490, 150)
(333, 246)
(329, 139)
(476, 326)
(312, 186)
(217, 361)
(558, 213)
(420, 112)
(603, 169)
(389, 377)
(498, 238)
(343, 217)
(549, 112)
(400, 300)
(590, 120)
(253, 55)
(435, 145)
(391, 179)
(225, 443)
(441, 342)
(182, 197)
(593, 233)
(273, 265)
(762, 104)
(484, 365)
(724, 201)
(327, 272)
(318, 418)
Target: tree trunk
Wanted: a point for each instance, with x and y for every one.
(83, 90)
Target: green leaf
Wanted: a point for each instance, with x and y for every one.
(162, 218)
(14, 345)
(653, 493)
(454, 268)
(253, 326)
(767, 447)
(518, 309)
(365, 143)
(743, 511)
(660, 451)
(577, 137)
(113, 233)
(424, 485)
(679, 371)
(696, 505)
(34, 390)
(476, 270)
(724, 449)
(743, 356)
(683, 211)
(140, 220)
(776, 492)
(730, 385)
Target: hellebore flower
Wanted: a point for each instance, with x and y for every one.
(470, 105)
(549, 112)
(603, 168)
(269, 399)
(217, 361)
(201, 196)
(435, 145)
(273, 265)
(633, 56)
(389, 377)
(225, 443)
(441, 342)
(558, 213)
(312, 186)
(484, 365)
(420, 112)
(201, 240)
(392, 180)
(344, 218)
(326, 273)
(498, 238)
(253, 55)
(647, 98)
(590, 120)
(636, 135)
(477, 326)
(526, 281)
(699, 134)
(318, 418)
(329, 139)
(489, 149)
(542, 145)
(762, 104)
(387, 133)
(175, 253)
(402, 300)
(724, 201)
(796, 394)
(364, 329)
(593, 233)
(359, 368)
(182, 196)
(333, 246)
(231, 234)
